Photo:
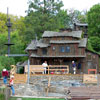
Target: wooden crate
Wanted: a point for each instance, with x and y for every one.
(90, 78)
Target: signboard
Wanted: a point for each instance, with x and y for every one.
(90, 78)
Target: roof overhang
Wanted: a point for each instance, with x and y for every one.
(63, 56)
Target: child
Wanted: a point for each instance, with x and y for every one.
(11, 85)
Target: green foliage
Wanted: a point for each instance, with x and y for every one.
(63, 19)
(3, 40)
(95, 43)
(1, 68)
(3, 27)
(89, 46)
(18, 47)
(36, 98)
(94, 21)
(42, 16)
(41, 99)
(2, 97)
(6, 62)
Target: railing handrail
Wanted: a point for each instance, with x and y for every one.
(37, 68)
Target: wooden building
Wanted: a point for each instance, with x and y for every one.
(61, 48)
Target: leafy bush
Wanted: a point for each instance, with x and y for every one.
(95, 43)
(6, 62)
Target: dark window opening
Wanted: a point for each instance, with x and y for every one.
(89, 57)
(62, 49)
(44, 51)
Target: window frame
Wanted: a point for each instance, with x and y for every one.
(44, 51)
(67, 49)
(62, 49)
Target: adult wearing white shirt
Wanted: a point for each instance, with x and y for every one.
(45, 65)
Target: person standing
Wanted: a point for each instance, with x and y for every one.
(45, 66)
(74, 67)
(11, 85)
(5, 76)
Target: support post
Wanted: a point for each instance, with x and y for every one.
(48, 70)
(28, 76)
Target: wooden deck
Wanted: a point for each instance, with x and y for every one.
(80, 93)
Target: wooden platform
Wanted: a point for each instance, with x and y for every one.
(92, 92)
(20, 78)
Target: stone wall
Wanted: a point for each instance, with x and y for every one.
(38, 86)
(36, 79)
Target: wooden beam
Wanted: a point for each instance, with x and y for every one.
(16, 55)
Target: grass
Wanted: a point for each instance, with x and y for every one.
(36, 99)
(41, 99)
(2, 96)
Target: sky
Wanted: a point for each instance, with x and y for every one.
(18, 7)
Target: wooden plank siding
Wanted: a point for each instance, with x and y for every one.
(74, 50)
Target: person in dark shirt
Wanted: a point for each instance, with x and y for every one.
(5, 75)
(74, 67)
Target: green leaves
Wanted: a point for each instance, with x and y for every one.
(43, 16)
(95, 42)
(3, 27)
(94, 21)
(5, 62)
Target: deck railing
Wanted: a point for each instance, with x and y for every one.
(51, 69)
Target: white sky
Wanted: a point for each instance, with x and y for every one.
(18, 7)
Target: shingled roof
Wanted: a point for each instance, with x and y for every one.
(34, 44)
(76, 34)
(64, 41)
(42, 45)
(83, 42)
(31, 46)
(81, 24)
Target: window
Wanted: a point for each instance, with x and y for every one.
(44, 51)
(67, 49)
(89, 57)
(62, 49)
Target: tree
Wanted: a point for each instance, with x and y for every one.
(94, 21)
(95, 42)
(77, 16)
(42, 16)
(3, 27)
(6, 62)
(3, 40)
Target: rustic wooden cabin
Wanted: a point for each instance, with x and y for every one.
(61, 48)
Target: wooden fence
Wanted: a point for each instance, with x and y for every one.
(52, 69)
(20, 78)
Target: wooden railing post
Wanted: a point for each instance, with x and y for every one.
(48, 70)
